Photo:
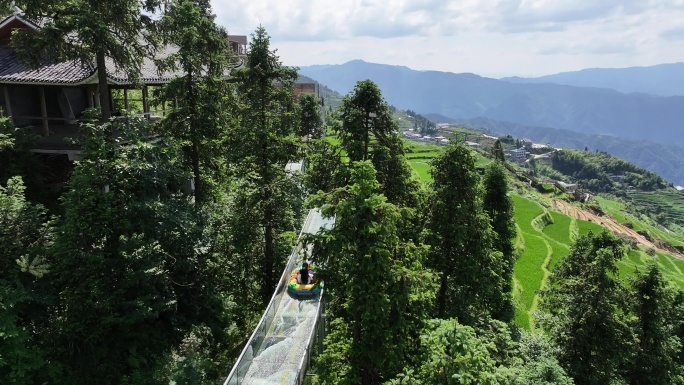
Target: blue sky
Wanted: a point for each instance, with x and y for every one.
(487, 37)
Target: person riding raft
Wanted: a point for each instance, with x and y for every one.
(303, 282)
(303, 277)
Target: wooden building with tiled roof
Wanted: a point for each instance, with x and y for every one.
(53, 97)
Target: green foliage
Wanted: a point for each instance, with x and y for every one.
(26, 236)
(539, 365)
(498, 151)
(325, 169)
(17, 160)
(203, 94)
(376, 281)
(499, 206)
(461, 240)
(132, 269)
(422, 124)
(657, 317)
(587, 312)
(592, 170)
(264, 140)
(368, 131)
(310, 121)
(451, 353)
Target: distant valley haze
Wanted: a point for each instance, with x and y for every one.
(447, 57)
(636, 123)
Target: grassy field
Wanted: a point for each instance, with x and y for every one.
(544, 243)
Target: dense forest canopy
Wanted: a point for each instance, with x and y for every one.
(599, 171)
(135, 277)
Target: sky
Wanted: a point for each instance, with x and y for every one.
(492, 38)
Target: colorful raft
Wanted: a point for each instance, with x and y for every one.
(314, 287)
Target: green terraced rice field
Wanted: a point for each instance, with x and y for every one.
(529, 275)
(585, 226)
(616, 210)
(671, 202)
(560, 229)
(543, 248)
(421, 169)
(423, 155)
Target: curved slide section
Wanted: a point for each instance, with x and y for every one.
(279, 348)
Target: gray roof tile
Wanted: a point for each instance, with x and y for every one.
(13, 71)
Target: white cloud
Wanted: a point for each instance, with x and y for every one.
(526, 37)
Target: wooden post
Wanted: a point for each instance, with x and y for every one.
(111, 99)
(146, 106)
(91, 96)
(43, 111)
(8, 104)
(97, 97)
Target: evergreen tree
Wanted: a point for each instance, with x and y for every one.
(368, 131)
(202, 92)
(18, 160)
(132, 270)
(264, 141)
(461, 240)
(89, 31)
(26, 235)
(587, 312)
(451, 354)
(499, 206)
(325, 169)
(310, 120)
(380, 292)
(498, 151)
(658, 346)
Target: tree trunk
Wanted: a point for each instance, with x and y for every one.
(268, 255)
(194, 137)
(366, 138)
(103, 86)
(441, 296)
(196, 171)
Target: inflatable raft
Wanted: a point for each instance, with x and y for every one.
(313, 287)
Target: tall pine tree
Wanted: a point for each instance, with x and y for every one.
(499, 206)
(587, 311)
(380, 292)
(264, 141)
(461, 240)
(368, 132)
(203, 93)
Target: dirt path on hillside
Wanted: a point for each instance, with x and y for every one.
(605, 221)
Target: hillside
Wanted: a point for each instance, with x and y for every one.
(560, 115)
(549, 222)
(464, 96)
(664, 159)
(661, 80)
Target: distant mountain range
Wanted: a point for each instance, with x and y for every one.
(591, 111)
(660, 80)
